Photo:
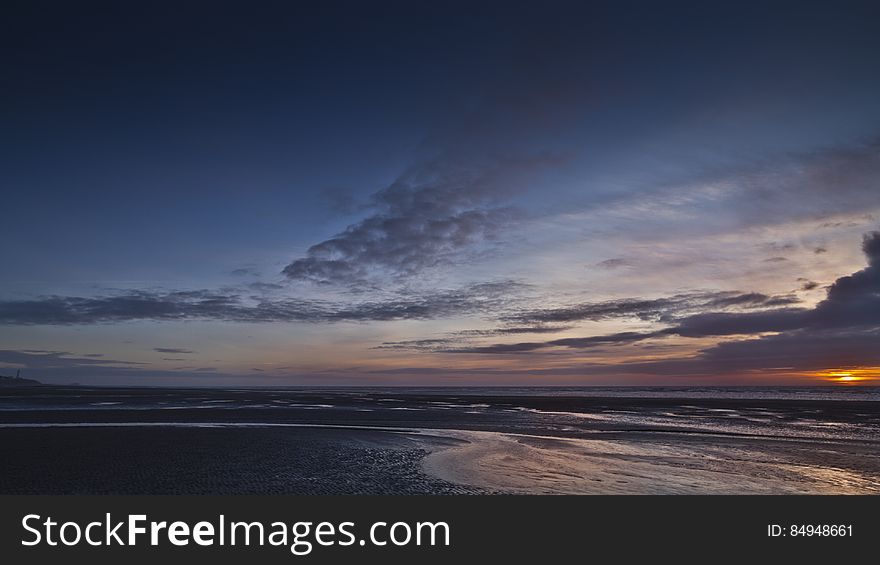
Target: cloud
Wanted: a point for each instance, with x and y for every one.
(815, 187)
(871, 248)
(810, 185)
(264, 286)
(135, 305)
(575, 343)
(727, 323)
(461, 339)
(797, 351)
(653, 308)
(479, 298)
(802, 350)
(436, 344)
(430, 216)
(245, 272)
(553, 320)
(55, 359)
(841, 330)
(613, 263)
(852, 301)
(172, 350)
(513, 330)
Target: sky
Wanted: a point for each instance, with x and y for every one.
(458, 193)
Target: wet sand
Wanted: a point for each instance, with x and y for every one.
(674, 465)
(217, 460)
(154, 441)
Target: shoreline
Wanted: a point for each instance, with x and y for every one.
(276, 442)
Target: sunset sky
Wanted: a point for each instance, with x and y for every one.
(413, 193)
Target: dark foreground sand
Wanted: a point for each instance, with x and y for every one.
(182, 460)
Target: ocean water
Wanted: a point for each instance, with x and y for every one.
(825, 392)
(10, 398)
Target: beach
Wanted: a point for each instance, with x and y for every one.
(78, 440)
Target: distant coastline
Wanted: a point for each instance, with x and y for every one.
(6, 381)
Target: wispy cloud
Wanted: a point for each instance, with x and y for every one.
(575, 343)
(654, 308)
(478, 298)
(557, 320)
(841, 330)
(37, 359)
(818, 184)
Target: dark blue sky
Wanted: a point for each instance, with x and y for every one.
(290, 190)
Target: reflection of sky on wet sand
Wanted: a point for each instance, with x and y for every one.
(538, 465)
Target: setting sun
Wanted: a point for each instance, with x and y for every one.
(850, 375)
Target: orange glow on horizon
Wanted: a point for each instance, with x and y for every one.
(849, 375)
